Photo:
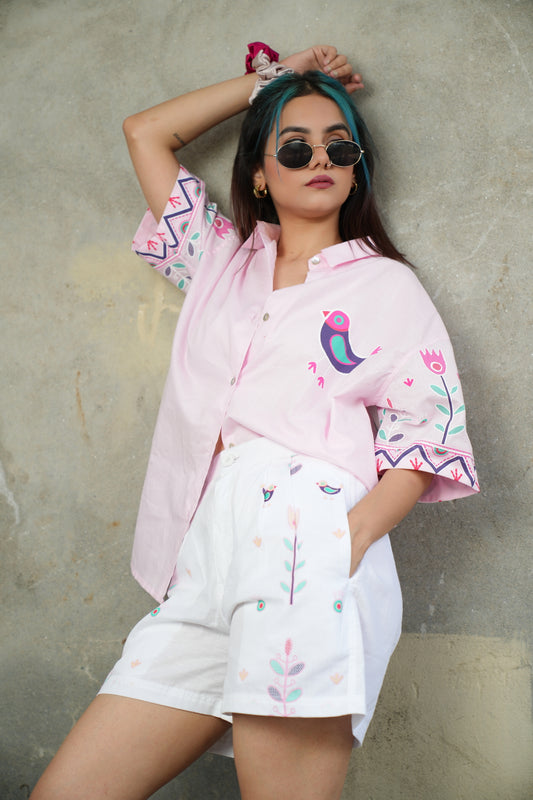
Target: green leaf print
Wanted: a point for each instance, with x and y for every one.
(444, 410)
(300, 586)
(284, 587)
(292, 696)
(438, 390)
(288, 544)
(276, 666)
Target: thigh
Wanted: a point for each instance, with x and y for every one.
(126, 749)
(311, 757)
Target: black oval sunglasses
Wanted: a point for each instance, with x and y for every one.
(297, 154)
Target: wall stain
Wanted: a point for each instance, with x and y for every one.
(81, 412)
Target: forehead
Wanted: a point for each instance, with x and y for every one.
(312, 111)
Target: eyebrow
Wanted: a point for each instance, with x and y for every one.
(330, 129)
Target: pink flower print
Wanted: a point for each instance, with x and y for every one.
(282, 691)
(409, 381)
(151, 245)
(222, 226)
(174, 201)
(456, 475)
(434, 361)
(415, 463)
(293, 516)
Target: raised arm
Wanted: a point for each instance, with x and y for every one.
(154, 135)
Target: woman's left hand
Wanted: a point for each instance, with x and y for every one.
(379, 511)
(326, 59)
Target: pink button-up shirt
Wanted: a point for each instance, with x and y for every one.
(354, 366)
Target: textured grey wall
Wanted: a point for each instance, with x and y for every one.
(86, 331)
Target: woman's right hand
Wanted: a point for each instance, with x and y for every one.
(326, 59)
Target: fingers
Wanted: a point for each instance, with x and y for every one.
(354, 83)
(328, 60)
(336, 64)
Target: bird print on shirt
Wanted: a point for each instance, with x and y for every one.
(335, 341)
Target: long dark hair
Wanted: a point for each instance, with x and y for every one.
(359, 217)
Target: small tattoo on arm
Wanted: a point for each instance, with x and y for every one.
(178, 137)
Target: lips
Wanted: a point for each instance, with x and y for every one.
(320, 182)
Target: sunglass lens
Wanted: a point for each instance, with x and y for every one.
(295, 155)
(344, 153)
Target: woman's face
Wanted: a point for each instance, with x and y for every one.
(319, 189)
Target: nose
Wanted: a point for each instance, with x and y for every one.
(320, 156)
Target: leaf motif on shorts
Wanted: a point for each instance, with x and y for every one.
(294, 695)
(296, 669)
(299, 565)
(300, 586)
(288, 566)
(274, 694)
(284, 587)
(276, 666)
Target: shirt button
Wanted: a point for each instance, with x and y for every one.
(315, 260)
(266, 317)
(233, 381)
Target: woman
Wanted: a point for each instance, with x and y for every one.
(302, 336)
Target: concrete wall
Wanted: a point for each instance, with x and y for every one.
(86, 331)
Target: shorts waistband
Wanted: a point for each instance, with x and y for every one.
(251, 451)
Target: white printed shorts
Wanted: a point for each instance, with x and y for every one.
(263, 617)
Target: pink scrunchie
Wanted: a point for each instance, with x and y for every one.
(254, 48)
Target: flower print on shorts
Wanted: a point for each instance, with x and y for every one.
(283, 690)
(293, 564)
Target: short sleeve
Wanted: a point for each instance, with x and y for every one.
(421, 423)
(190, 230)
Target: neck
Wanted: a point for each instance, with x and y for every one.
(302, 238)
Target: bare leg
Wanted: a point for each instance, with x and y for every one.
(291, 759)
(125, 749)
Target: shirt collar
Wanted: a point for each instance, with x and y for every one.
(266, 235)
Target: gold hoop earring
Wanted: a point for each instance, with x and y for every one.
(260, 193)
(354, 187)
